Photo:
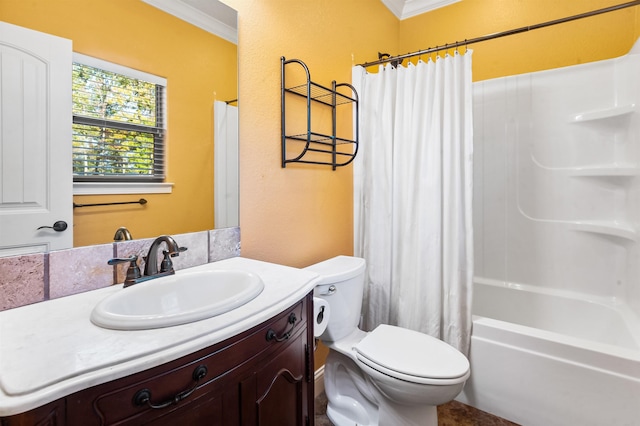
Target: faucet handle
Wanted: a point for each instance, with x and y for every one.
(118, 260)
(167, 264)
(174, 253)
(133, 272)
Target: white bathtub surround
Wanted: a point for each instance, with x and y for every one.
(556, 334)
(413, 196)
(557, 160)
(549, 357)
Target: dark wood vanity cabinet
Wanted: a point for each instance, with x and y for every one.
(263, 376)
(51, 414)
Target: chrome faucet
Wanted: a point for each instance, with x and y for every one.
(151, 261)
(166, 266)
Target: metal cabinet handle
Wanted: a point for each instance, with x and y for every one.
(272, 335)
(59, 226)
(143, 396)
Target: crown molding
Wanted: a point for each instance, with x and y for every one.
(180, 9)
(404, 9)
(395, 6)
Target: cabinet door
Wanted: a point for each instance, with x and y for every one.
(52, 414)
(275, 394)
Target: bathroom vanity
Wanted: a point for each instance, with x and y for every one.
(250, 366)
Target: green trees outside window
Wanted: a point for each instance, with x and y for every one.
(117, 127)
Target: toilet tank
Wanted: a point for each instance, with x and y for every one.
(341, 284)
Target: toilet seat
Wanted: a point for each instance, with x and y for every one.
(412, 356)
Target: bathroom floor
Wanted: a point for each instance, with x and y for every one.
(451, 414)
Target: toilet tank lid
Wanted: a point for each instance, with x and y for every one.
(339, 268)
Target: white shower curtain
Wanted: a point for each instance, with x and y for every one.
(413, 196)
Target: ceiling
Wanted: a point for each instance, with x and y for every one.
(404, 9)
(221, 20)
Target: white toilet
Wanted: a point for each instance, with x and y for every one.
(390, 376)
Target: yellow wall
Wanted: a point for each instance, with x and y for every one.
(586, 40)
(303, 213)
(196, 64)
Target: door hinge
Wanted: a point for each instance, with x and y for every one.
(307, 363)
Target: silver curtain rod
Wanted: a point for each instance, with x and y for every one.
(502, 34)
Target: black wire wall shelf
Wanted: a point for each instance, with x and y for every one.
(313, 147)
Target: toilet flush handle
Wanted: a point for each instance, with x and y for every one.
(332, 289)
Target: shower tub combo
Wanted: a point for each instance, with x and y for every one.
(540, 358)
(556, 329)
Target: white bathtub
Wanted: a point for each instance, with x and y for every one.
(540, 357)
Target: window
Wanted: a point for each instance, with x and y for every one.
(118, 123)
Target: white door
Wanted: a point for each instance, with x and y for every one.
(36, 181)
(226, 186)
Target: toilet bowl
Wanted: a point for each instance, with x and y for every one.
(390, 376)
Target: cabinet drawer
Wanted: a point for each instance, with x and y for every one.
(177, 383)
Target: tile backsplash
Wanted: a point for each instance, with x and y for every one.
(22, 280)
(38, 277)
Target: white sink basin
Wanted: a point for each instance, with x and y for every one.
(182, 298)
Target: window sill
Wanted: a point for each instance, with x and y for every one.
(108, 188)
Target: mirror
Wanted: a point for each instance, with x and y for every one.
(191, 43)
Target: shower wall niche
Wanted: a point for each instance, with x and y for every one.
(557, 179)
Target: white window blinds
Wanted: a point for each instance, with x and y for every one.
(118, 124)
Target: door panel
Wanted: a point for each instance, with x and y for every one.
(225, 180)
(35, 141)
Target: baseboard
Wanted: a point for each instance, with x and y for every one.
(318, 381)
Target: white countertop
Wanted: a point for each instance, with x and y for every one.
(51, 349)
